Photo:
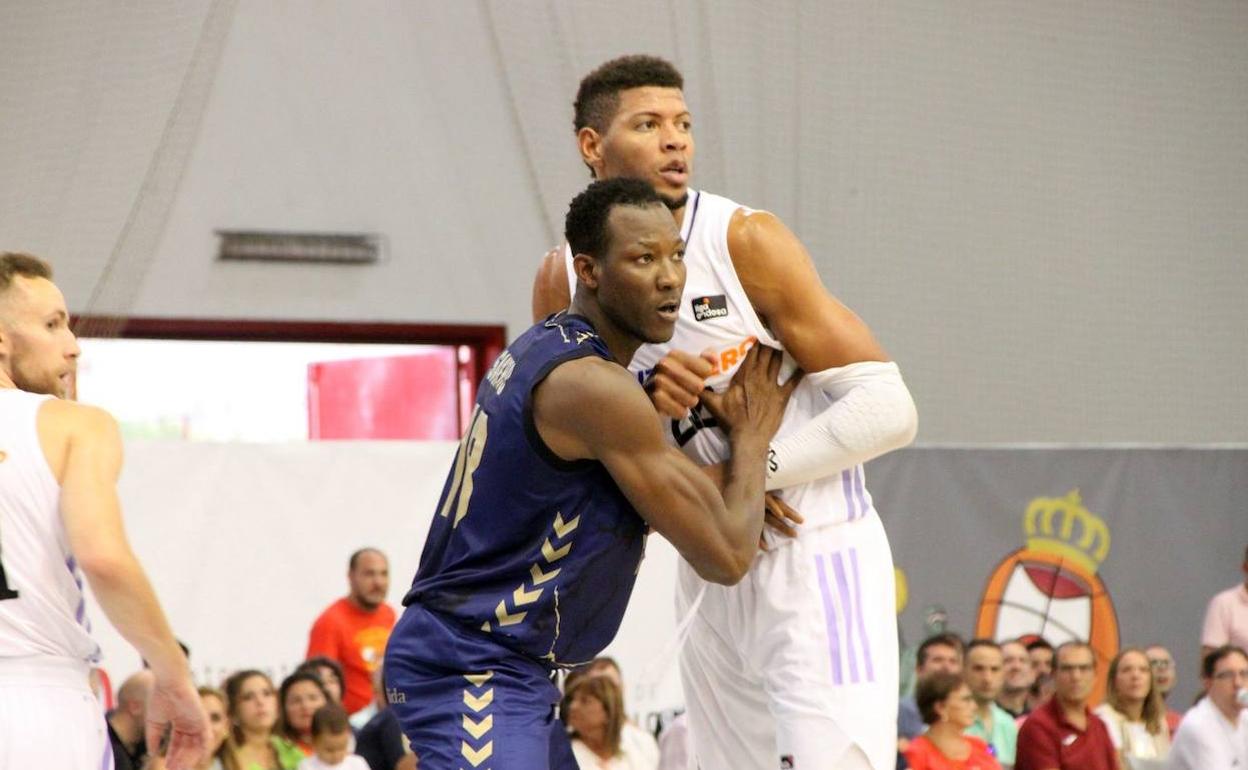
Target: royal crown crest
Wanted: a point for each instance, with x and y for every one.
(1063, 526)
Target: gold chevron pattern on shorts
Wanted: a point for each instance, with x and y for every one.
(475, 723)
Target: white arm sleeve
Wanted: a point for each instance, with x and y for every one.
(871, 413)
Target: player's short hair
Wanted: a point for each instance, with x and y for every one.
(330, 719)
(945, 639)
(933, 689)
(1210, 661)
(15, 263)
(598, 96)
(586, 224)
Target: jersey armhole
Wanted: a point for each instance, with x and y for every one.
(530, 425)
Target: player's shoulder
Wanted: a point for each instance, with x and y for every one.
(76, 418)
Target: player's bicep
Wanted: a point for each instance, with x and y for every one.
(90, 508)
(781, 281)
(551, 292)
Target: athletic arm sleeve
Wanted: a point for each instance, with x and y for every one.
(871, 413)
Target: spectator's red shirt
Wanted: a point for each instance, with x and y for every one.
(923, 755)
(356, 639)
(1047, 740)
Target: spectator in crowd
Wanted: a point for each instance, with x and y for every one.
(354, 629)
(948, 709)
(299, 698)
(329, 671)
(1019, 677)
(1214, 732)
(635, 740)
(593, 709)
(1062, 733)
(1226, 619)
(213, 701)
(127, 722)
(1162, 663)
(985, 675)
(1040, 653)
(380, 741)
(939, 652)
(331, 741)
(1133, 710)
(251, 702)
(675, 744)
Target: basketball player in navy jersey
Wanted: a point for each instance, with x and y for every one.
(60, 519)
(539, 533)
(795, 666)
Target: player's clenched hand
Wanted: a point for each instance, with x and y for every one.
(175, 704)
(678, 379)
(754, 401)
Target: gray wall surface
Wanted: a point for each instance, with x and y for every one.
(1038, 207)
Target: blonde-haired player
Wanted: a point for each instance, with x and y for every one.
(59, 519)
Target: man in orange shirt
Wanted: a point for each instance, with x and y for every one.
(354, 629)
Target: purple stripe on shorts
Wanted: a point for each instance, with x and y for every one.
(829, 614)
(847, 485)
(107, 762)
(842, 585)
(861, 489)
(862, 629)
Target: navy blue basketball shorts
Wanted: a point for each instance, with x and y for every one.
(465, 701)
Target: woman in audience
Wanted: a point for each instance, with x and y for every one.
(593, 709)
(1133, 710)
(330, 672)
(947, 708)
(301, 695)
(251, 744)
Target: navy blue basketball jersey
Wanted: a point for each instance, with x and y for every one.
(536, 552)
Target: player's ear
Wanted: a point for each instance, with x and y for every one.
(585, 268)
(590, 143)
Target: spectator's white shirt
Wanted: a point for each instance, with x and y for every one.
(350, 762)
(1207, 741)
(638, 751)
(674, 751)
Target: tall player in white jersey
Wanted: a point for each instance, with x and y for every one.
(59, 519)
(796, 666)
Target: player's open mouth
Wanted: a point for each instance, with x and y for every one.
(675, 173)
(669, 310)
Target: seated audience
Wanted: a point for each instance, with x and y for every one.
(1062, 733)
(1133, 710)
(635, 740)
(940, 652)
(948, 709)
(1226, 616)
(1019, 677)
(252, 744)
(331, 739)
(1162, 663)
(329, 671)
(1214, 732)
(127, 722)
(985, 675)
(299, 698)
(593, 710)
(1040, 653)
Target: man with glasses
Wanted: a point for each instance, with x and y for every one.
(1214, 733)
(1162, 663)
(1063, 733)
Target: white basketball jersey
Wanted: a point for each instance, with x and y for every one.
(715, 313)
(42, 610)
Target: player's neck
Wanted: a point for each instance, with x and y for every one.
(6, 382)
(621, 344)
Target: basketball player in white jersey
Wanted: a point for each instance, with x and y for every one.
(796, 666)
(60, 519)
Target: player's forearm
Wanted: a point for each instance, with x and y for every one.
(743, 489)
(872, 413)
(127, 598)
